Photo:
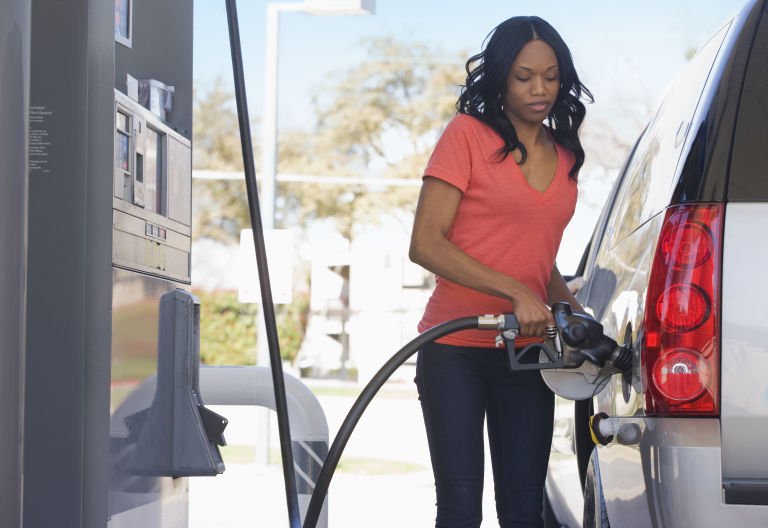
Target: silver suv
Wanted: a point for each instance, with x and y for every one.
(677, 254)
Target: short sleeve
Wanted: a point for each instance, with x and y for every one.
(451, 161)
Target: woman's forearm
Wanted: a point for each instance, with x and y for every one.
(558, 291)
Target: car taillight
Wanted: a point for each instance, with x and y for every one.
(681, 375)
(681, 356)
(683, 307)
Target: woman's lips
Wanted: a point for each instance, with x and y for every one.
(538, 107)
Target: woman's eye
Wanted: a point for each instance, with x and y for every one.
(523, 79)
(552, 79)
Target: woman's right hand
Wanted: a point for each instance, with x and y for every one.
(533, 315)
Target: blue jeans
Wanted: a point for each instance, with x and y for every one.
(459, 387)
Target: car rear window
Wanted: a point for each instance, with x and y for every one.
(650, 173)
(748, 180)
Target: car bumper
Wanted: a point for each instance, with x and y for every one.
(672, 478)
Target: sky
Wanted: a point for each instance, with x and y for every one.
(626, 52)
(622, 49)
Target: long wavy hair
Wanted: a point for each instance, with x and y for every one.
(483, 91)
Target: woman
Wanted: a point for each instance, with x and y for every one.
(497, 193)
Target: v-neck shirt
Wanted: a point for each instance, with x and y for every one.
(501, 221)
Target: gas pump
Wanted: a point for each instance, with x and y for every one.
(110, 408)
(114, 418)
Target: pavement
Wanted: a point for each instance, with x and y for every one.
(384, 479)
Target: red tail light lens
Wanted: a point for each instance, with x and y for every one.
(683, 307)
(681, 357)
(687, 246)
(681, 375)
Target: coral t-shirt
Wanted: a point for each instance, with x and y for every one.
(502, 222)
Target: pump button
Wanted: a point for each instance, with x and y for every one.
(155, 231)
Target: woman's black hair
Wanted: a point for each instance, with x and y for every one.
(487, 72)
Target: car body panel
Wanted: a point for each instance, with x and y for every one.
(671, 478)
(626, 266)
(744, 374)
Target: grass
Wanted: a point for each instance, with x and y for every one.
(238, 454)
(354, 392)
(245, 454)
(376, 466)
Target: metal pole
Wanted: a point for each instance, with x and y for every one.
(268, 307)
(267, 192)
(269, 118)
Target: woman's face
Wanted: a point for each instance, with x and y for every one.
(532, 84)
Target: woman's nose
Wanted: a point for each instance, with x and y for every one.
(537, 86)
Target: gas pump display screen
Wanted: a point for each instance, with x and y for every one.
(154, 194)
(122, 141)
(122, 151)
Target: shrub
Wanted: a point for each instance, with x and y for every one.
(228, 328)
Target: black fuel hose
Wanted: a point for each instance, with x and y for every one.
(268, 307)
(368, 393)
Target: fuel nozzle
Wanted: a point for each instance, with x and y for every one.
(576, 338)
(583, 339)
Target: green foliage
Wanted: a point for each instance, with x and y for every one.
(228, 328)
(291, 324)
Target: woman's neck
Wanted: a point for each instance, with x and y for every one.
(529, 134)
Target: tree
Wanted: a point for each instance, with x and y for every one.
(380, 118)
(215, 131)
(219, 208)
